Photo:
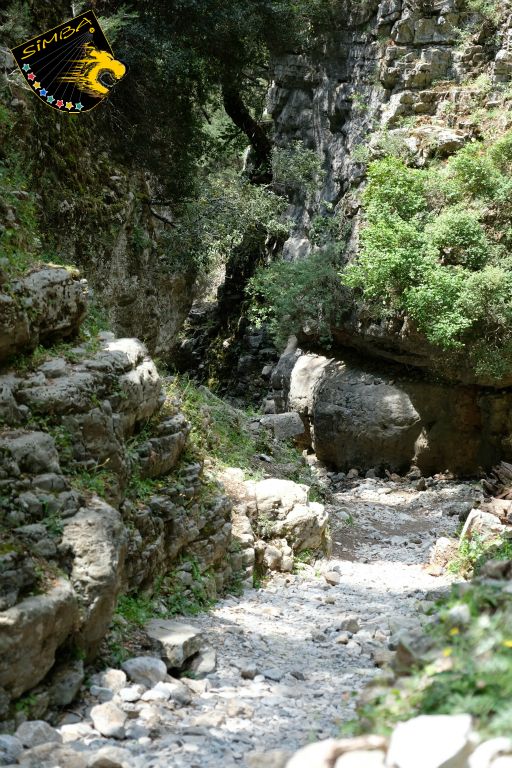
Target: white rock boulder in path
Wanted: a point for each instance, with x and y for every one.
(333, 752)
(432, 741)
(174, 641)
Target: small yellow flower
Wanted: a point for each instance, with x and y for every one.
(454, 631)
(507, 643)
(447, 652)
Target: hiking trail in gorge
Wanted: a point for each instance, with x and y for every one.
(292, 656)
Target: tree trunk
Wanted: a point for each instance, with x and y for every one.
(260, 143)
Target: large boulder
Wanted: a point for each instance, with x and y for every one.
(30, 634)
(46, 305)
(96, 537)
(175, 641)
(358, 415)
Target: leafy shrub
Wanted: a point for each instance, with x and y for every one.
(302, 295)
(435, 248)
(210, 226)
(393, 188)
(297, 168)
(460, 238)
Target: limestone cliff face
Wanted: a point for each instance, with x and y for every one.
(95, 496)
(382, 65)
(405, 71)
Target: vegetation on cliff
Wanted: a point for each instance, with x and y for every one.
(436, 247)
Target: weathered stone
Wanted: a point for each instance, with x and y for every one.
(97, 539)
(482, 524)
(30, 634)
(66, 682)
(110, 757)
(274, 494)
(204, 663)
(109, 720)
(431, 741)
(176, 691)
(52, 755)
(145, 670)
(175, 641)
(10, 749)
(324, 754)
(35, 732)
(114, 679)
(50, 304)
(361, 415)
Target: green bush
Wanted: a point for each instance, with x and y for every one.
(435, 247)
(460, 238)
(303, 295)
(297, 168)
(393, 188)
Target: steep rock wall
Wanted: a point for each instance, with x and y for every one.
(380, 65)
(95, 496)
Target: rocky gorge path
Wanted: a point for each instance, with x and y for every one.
(291, 657)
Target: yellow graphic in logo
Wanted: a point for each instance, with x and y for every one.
(96, 73)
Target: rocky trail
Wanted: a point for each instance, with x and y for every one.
(281, 665)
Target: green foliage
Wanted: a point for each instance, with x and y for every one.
(474, 552)
(435, 248)
(219, 431)
(297, 296)
(469, 669)
(459, 238)
(211, 226)
(298, 169)
(489, 9)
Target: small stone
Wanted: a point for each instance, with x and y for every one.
(362, 759)
(131, 693)
(349, 622)
(103, 694)
(156, 694)
(354, 648)
(75, 732)
(115, 679)
(10, 749)
(110, 757)
(176, 691)
(332, 578)
(342, 638)
(109, 720)
(204, 663)
(237, 708)
(488, 753)
(52, 755)
(145, 670)
(249, 671)
(273, 674)
(35, 732)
